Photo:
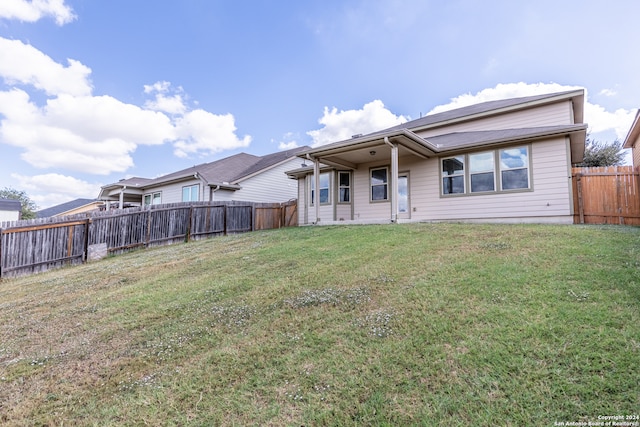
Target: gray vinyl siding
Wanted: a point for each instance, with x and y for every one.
(270, 186)
(172, 193)
(547, 115)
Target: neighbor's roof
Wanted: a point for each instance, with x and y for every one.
(63, 207)
(10, 205)
(229, 170)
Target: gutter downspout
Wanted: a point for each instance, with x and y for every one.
(393, 179)
(316, 196)
(213, 190)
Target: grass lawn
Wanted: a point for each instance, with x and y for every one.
(420, 324)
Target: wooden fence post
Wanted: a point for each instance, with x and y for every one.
(85, 250)
(1, 253)
(580, 202)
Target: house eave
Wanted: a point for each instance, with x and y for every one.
(634, 132)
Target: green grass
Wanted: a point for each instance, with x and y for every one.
(421, 324)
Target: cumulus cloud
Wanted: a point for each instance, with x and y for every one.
(23, 64)
(34, 10)
(77, 131)
(342, 125)
(203, 132)
(52, 188)
(596, 116)
(289, 142)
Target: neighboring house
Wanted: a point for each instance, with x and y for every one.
(73, 207)
(241, 177)
(499, 161)
(10, 210)
(633, 140)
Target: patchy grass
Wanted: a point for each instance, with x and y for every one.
(422, 324)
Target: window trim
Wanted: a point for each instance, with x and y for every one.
(348, 187)
(497, 173)
(152, 197)
(385, 184)
(484, 171)
(312, 182)
(463, 174)
(191, 187)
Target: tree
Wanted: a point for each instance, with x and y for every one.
(28, 206)
(598, 153)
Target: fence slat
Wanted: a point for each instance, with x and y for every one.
(38, 245)
(606, 195)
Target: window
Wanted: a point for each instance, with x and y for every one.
(481, 175)
(486, 172)
(344, 187)
(453, 175)
(325, 179)
(152, 199)
(190, 193)
(379, 184)
(514, 168)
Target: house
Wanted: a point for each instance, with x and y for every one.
(632, 140)
(10, 210)
(499, 161)
(72, 207)
(241, 177)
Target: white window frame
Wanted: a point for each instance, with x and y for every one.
(190, 189)
(312, 184)
(344, 187)
(155, 198)
(384, 184)
(525, 166)
(456, 174)
(472, 172)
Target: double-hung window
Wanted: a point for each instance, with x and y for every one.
(453, 175)
(325, 183)
(379, 184)
(190, 193)
(152, 199)
(481, 172)
(344, 184)
(514, 168)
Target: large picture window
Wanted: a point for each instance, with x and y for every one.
(484, 172)
(325, 182)
(190, 193)
(344, 184)
(453, 175)
(379, 184)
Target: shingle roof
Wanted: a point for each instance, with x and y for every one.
(471, 110)
(451, 141)
(63, 207)
(10, 205)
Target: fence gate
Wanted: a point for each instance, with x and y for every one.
(606, 195)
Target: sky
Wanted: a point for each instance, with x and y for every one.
(94, 91)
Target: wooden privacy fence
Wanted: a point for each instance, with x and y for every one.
(39, 245)
(606, 195)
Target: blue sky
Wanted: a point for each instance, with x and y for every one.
(95, 91)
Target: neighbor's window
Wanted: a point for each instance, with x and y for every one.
(379, 190)
(190, 193)
(453, 175)
(481, 175)
(344, 183)
(514, 168)
(325, 179)
(152, 199)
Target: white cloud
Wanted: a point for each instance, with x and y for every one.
(52, 188)
(598, 119)
(342, 125)
(289, 142)
(76, 131)
(22, 63)
(34, 10)
(201, 132)
(608, 92)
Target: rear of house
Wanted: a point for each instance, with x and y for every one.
(499, 161)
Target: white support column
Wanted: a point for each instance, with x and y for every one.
(393, 180)
(316, 195)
